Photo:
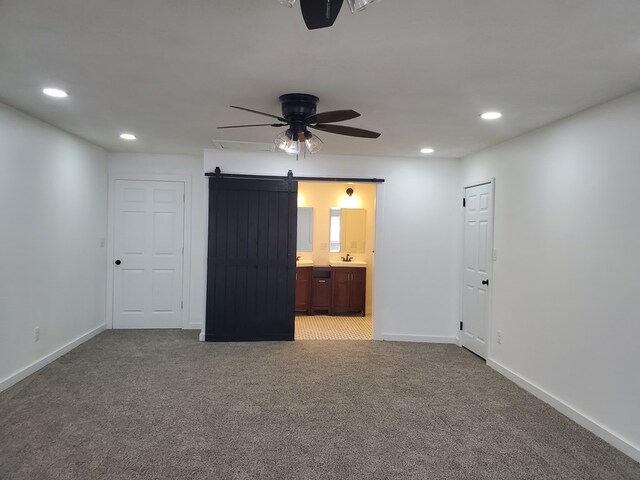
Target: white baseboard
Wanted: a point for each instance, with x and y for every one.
(47, 359)
(201, 337)
(581, 419)
(395, 337)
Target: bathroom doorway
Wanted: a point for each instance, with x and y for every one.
(335, 260)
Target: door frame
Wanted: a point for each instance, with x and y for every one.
(491, 181)
(378, 241)
(186, 235)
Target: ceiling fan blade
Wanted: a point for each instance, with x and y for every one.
(320, 13)
(259, 113)
(330, 117)
(344, 130)
(256, 125)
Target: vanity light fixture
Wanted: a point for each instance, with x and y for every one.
(55, 92)
(350, 191)
(491, 115)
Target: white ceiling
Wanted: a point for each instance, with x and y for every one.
(419, 71)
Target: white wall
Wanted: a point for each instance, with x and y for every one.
(416, 293)
(53, 205)
(151, 165)
(566, 292)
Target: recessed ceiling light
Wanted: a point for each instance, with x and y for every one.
(127, 136)
(491, 115)
(55, 92)
(427, 150)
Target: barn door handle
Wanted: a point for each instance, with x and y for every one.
(117, 262)
(485, 282)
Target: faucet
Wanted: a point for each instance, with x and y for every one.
(298, 258)
(347, 258)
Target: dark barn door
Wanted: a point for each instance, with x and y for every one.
(252, 259)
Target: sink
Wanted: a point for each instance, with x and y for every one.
(304, 263)
(340, 263)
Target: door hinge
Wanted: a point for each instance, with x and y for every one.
(181, 304)
(460, 326)
(464, 202)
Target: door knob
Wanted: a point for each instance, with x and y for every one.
(117, 262)
(485, 282)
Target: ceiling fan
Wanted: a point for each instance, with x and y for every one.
(323, 13)
(299, 115)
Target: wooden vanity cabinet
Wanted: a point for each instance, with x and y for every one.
(303, 289)
(321, 290)
(348, 290)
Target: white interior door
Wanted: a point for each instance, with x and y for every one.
(148, 254)
(478, 246)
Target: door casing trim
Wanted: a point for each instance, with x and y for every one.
(492, 182)
(186, 265)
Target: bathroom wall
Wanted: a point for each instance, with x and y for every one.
(323, 196)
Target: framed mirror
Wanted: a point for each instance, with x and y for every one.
(305, 229)
(347, 230)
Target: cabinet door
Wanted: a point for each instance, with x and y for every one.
(357, 290)
(303, 288)
(321, 296)
(340, 277)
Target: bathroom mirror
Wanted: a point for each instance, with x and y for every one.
(305, 229)
(347, 230)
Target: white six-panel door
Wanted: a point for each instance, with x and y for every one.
(148, 254)
(478, 247)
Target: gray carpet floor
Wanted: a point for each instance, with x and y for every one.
(161, 405)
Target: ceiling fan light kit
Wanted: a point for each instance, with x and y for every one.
(313, 143)
(299, 114)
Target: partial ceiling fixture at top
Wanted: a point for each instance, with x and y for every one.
(323, 13)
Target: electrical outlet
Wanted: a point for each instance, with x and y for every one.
(36, 332)
(499, 337)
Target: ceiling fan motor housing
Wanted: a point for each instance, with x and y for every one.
(296, 107)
